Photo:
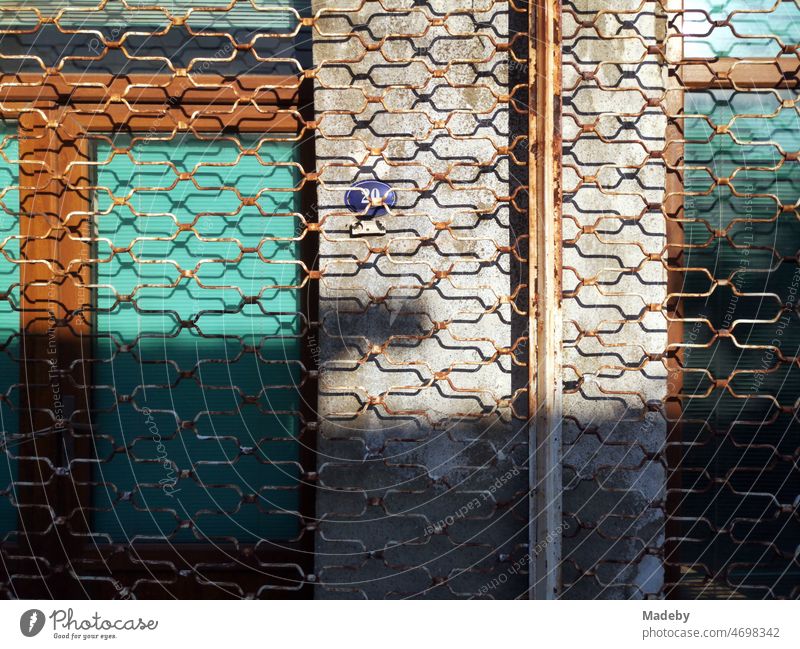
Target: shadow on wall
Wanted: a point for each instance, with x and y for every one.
(422, 487)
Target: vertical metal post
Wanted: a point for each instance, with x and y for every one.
(545, 299)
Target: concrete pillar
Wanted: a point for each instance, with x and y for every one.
(615, 428)
(422, 461)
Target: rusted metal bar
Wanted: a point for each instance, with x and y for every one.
(545, 324)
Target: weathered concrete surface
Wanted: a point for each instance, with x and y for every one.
(415, 409)
(421, 462)
(615, 427)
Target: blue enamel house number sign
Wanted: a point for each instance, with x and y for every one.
(364, 197)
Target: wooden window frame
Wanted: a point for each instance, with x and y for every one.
(53, 112)
(746, 73)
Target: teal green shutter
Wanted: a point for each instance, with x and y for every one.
(215, 15)
(9, 323)
(196, 401)
(750, 29)
(720, 431)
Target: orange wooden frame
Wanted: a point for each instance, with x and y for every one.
(54, 113)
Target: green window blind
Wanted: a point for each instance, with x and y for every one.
(152, 41)
(754, 28)
(196, 405)
(207, 14)
(736, 448)
(9, 322)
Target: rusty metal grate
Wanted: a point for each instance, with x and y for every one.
(221, 381)
(680, 267)
(210, 377)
